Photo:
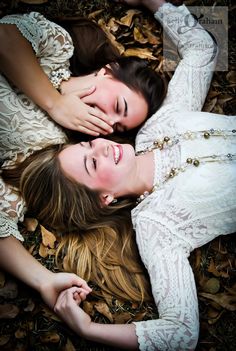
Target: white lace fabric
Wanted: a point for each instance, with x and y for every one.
(192, 208)
(24, 127)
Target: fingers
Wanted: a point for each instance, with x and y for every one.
(86, 92)
(78, 282)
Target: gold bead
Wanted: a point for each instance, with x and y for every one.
(166, 138)
(206, 135)
(189, 160)
(172, 174)
(155, 143)
(196, 163)
(160, 146)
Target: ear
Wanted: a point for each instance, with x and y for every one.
(103, 71)
(106, 199)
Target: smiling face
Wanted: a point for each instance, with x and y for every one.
(125, 107)
(100, 165)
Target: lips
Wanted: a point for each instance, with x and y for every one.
(117, 153)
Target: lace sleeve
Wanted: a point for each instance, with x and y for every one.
(190, 83)
(51, 43)
(173, 289)
(11, 211)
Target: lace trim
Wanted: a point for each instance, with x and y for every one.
(9, 227)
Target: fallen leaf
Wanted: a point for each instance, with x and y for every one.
(212, 286)
(4, 339)
(122, 318)
(48, 313)
(102, 308)
(43, 251)
(128, 18)
(20, 333)
(69, 346)
(141, 53)
(10, 290)
(113, 25)
(94, 14)
(152, 39)
(8, 311)
(225, 300)
(138, 36)
(212, 269)
(48, 238)
(51, 337)
(30, 307)
(231, 77)
(212, 319)
(139, 316)
(209, 105)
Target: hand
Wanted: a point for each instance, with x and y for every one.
(57, 282)
(67, 308)
(72, 113)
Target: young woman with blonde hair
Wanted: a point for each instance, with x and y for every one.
(179, 183)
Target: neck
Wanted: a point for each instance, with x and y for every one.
(144, 174)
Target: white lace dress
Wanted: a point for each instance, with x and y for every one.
(24, 127)
(192, 208)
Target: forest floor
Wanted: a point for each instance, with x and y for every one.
(28, 324)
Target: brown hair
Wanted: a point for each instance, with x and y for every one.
(93, 50)
(99, 248)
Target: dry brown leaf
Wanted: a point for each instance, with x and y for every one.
(48, 238)
(43, 251)
(225, 300)
(20, 333)
(209, 105)
(94, 14)
(50, 314)
(152, 39)
(139, 316)
(31, 224)
(212, 269)
(213, 320)
(10, 290)
(30, 307)
(113, 25)
(34, 2)
(51, 336)
(8, 311)
(4, 339)
(141, 53)
(69, 346)
(102, 308)
(212, 286)
(2, 279)
(122, 318)
(128, 18)
(231, 77)
(111, 37)
(138, 36)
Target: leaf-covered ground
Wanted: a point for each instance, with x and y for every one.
(25, 322)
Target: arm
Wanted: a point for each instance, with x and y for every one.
(27, 74)
(15, 259)
(174, 292)
(190, 83)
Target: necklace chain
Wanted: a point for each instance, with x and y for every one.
(168, 142)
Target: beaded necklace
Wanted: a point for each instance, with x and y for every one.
(168, 142)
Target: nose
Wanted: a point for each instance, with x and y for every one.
(101, 148)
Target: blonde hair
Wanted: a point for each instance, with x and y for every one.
(100, 245)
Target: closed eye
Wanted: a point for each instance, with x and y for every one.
(94, 164)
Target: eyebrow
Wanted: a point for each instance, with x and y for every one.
(85, 165)
(126, 108)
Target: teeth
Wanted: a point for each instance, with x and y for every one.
(117, 154)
